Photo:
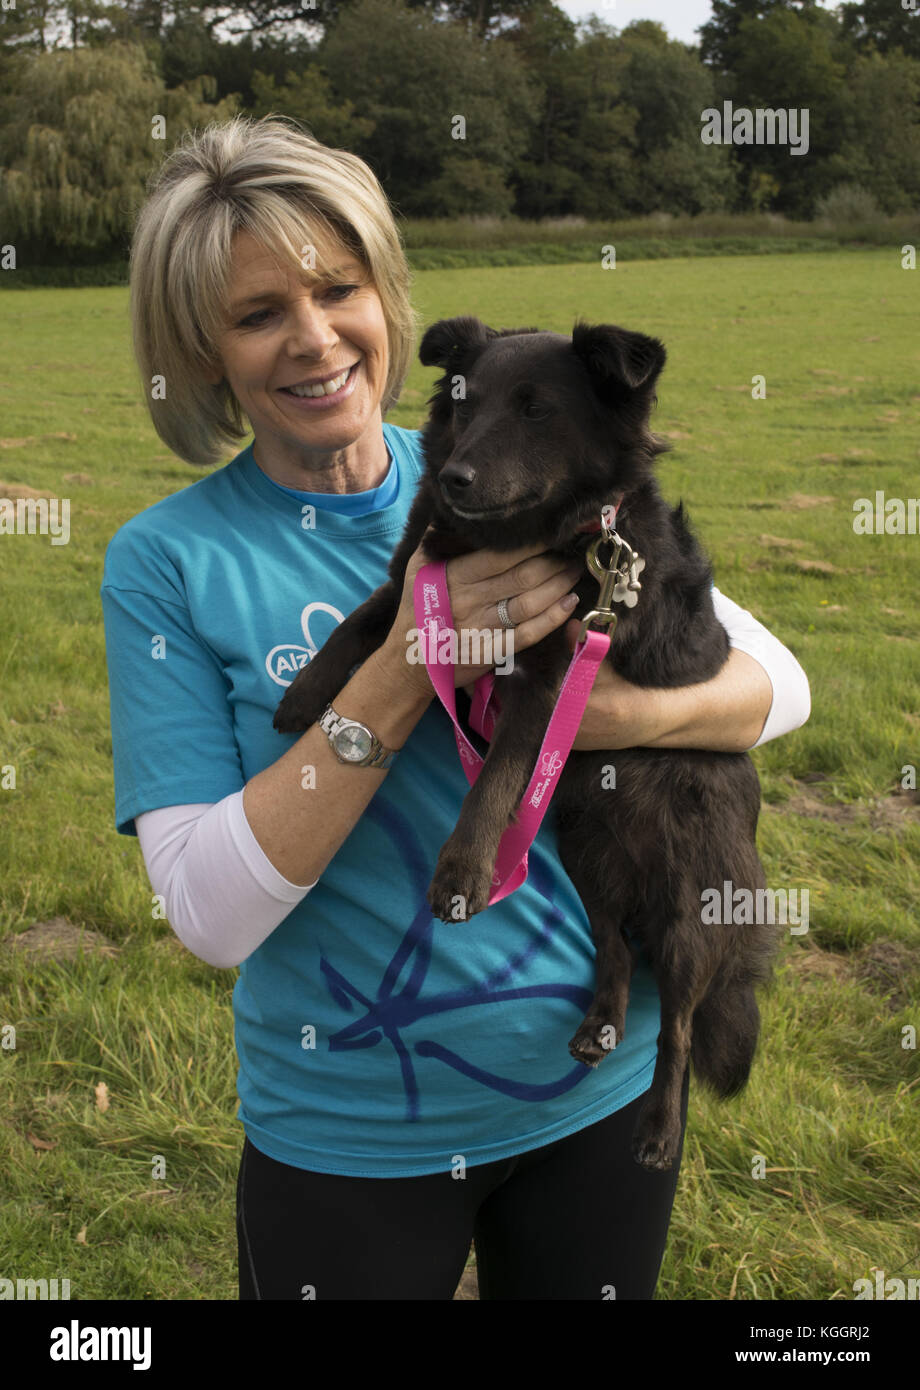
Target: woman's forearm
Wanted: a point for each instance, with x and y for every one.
(299, 827)
(760, 693)
(726, 714)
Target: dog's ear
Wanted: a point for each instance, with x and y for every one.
(451, 341)
(618, 361)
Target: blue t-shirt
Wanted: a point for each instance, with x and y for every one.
(373, 1040)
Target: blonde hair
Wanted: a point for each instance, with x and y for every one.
(272, 179)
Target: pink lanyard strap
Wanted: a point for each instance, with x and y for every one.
(433, 614)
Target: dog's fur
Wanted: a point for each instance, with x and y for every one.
(552, 429)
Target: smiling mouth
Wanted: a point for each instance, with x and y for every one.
(325, 388)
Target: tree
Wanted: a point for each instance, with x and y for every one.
(720, 38)
(23, 29)
(618, 132)
(484, 18)
(884, 25)
(306, 96)
(880, 131)
(547, 181)
(791, 58)
(668, 87)
(75, 157)
(437, 100)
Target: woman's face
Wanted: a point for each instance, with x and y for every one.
(283, 334)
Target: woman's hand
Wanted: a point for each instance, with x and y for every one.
(531, 579)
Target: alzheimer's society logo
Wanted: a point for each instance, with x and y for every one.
(284, 661)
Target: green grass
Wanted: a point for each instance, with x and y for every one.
(770, 485)
(449, 243)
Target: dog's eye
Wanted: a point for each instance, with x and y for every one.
(462, 409)
(533, 410)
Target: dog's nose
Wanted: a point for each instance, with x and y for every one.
(455, 478)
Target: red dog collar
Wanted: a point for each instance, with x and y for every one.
(591, 526)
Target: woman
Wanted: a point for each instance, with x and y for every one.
(405, 1085)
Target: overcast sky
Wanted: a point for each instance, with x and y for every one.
(680, 17)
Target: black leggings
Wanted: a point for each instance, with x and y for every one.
(575, 1219)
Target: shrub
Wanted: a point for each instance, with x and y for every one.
(848, 202)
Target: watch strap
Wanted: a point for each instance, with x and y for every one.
(379, 757)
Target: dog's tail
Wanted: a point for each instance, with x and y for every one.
(726, 1023)
(726, 1027)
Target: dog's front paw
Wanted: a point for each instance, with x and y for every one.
(595, 1040)
(304, 701)
(458, 891)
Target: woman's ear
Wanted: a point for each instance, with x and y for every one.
(214, 374)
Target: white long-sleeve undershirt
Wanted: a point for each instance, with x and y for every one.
(223, 896)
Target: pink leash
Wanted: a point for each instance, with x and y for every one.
(433, 613)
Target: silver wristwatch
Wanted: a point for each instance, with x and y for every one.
(354, 743)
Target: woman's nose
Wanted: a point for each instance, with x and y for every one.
(310, 331)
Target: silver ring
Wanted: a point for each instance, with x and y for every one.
(503, 613)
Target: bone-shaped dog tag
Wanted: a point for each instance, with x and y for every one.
(627, 585)
(635, 569)
(621, 592)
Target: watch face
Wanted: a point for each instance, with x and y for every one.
(353, 743)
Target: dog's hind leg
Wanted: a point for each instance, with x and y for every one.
(604, 1025)
(684, 965)
(656, 1138)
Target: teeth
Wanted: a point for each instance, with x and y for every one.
(326, 388)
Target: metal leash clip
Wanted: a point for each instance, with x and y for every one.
(619, 581)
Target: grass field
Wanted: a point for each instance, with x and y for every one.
(770, 484)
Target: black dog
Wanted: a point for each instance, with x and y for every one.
(551, 429)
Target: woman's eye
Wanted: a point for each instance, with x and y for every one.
(251, 321)
(338, 293)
